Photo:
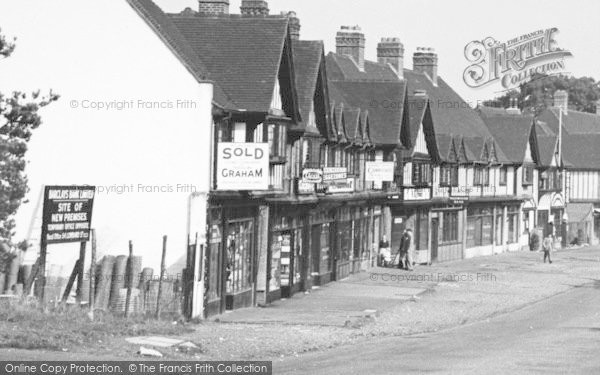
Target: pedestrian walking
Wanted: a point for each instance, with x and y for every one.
(406, 244)
(547, 247)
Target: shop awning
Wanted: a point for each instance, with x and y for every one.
(579, 212)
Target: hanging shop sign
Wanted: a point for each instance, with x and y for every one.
(243, 166)
(334, 173)
(67, 213)
(312, 176)
(379, 171)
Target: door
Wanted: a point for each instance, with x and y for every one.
(435, 227)
(315, 249)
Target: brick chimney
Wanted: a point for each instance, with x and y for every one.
(425, 60)
(350, 41)
(391, 51)
(213, 7)
(294, 24)
(254, 8)
(561, 100)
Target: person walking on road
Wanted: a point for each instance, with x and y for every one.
(405, 250)
(547, 247)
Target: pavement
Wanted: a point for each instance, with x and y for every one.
(382, 303)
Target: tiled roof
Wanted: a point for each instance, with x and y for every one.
(416, 111)
(308, 57)
(582, 151)
(451, 114)
(242, 54)
(352, 123)
(546, 147)
(385, 123)
(574, 122)
(168, 32)
(342, 67)
(511, 133)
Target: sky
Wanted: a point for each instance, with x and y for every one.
(447, 26)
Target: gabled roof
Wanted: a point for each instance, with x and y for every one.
(308, 60)
(416, 112)
(162, 25)
(510, 132)
(574, 122)
(386, 123)
(451, 114)
(242, 54)
(352, 124)
(547, 149)
(342, 67)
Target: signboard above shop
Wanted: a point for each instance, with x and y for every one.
(67, 213)
(243, 166)
(379, 171)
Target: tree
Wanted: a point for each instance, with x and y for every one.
(18, 118)
(537, 94)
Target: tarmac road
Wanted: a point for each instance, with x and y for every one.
(558, 335)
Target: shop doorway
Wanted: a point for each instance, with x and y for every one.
(240, 261)
(291, 263)
(435, 228)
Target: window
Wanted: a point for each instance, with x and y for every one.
(421, 174)
(422, 230)
(479, 227)
(330, 156)
(481, 176)
(276, 138)
(225, 132)
(239, 256)
(450, 226)
(503, 176)
(527, 174)
(449, 175)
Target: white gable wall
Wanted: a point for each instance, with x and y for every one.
(102, 51)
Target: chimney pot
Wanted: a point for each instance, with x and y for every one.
(425, 60)
(213, 7)
(391, 51)
(561, 100)
(350, 41)
(254, 8)
(294, 24)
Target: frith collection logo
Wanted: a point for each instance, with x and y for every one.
(515, 61)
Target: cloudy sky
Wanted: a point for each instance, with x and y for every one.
(447, 26)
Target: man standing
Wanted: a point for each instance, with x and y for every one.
(405, 250)
(547, 247)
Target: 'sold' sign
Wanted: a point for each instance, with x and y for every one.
(243, 166)
(67, 213)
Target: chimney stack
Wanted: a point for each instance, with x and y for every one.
(213, 7)
(254, 8)
(425, 60)
(294, 24)
(561, 100)
(350, 41)
(391, 51)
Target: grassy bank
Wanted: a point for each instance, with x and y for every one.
(24, 324)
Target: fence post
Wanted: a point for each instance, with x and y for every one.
(130, 279)
(93, 275)
(162, 274)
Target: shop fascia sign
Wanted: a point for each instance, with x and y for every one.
(379, 171)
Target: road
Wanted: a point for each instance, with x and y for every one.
(558, 335)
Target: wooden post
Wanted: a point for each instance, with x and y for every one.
(34, 272)
(81, 272)
(93, 274)
(130, 279)
(71, 282)
(162, 274)
(42, 268)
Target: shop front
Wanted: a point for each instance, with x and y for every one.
(417, 219)
(287, 256)
(322, 230)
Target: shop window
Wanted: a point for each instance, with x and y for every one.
(513, 224)
(344, 240)
(422, 230)
(325, 263)
(527, 175)
(503, 176)
(479, 227)
(450, 226)
(240, 236)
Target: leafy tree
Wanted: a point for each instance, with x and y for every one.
(537, 94)
(18, 118)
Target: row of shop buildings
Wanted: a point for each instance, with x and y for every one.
(316, 156)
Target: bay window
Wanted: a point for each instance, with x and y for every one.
(421, 174)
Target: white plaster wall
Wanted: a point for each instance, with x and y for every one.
(103, 51)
